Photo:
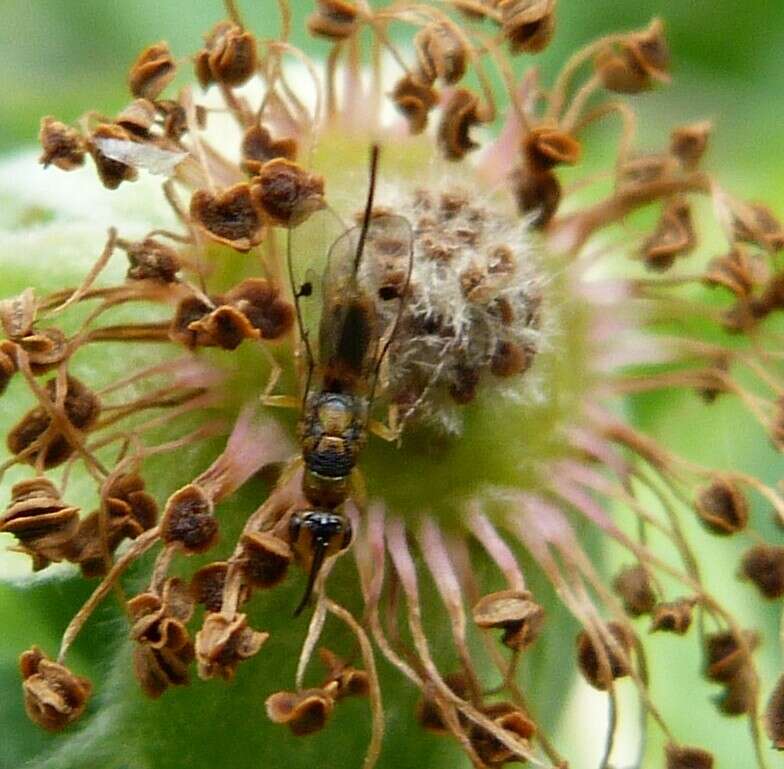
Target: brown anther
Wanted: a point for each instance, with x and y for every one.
(459, 115)
(159, 622)
(54, 697)
(689, 142)
(230, 217)
(188, 520)
(190, 310)
(528, 25)
(46, 348)
(8, 365)
(265, 559)
(739, 696)
(259, 300)
(774, 715)
(673, 617)
(414, 100)
(441, 54)
(258, 147)
(722, 508)
(207, 585)
(428, 710)
(40, 521)
(158, 669)
(642, 58)
(112, 173)
(63, 146)
(764, 566)
(81, 408)
(683, 757)
(229, 56)
(513, 611)
(333, 19)
(128, 511)
(633, 585)
(600, 670)
(510, 359)
(175, 120)
(223, 642)
(149, 259)
(152, 71)
(673, 237)
(287, 193)
(538, 195)
(303, 712)
(225, 327)
(17, 315)
(138, 117)
(726, 657)
(512, 720)
(734, 271)
(345, 680)
(756, 223)
(546, 147)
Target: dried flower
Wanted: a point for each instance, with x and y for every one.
(222, 643)
(303, 712)
(152, 71)
(230, 217)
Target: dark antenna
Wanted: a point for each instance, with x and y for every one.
(375, 151)
(315, 567)
(298, 293)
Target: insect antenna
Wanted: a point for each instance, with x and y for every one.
(375, 151)
(315, 567)
(297, 292)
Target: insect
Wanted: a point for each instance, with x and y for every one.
(362, 298)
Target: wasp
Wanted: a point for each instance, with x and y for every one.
(363, 290)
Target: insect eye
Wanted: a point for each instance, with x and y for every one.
(295, 524)
(387, 292)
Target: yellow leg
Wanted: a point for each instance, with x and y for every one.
(391, 430)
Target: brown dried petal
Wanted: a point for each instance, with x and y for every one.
(222, 643)
(528, 25)
(547, 147)
(189, 310)
(673, 617)
(633, 585)
(513, 611)
(722, 507)
(642, 58)
(224, 327)
(739, 695)
(673, 237)
(538, 195)
(266, 559)
(258, 148)
(459, 115)
(774, 715)
(17, 314)
(511, 359)
(343, 679)
(7, 364)
(441, 54)
(111, 172)
(755, 223)
(689, 142)
(287, 193)
(683, 757)
(229, 217)
(188, 520)
(54, 696)
(764, 566)
(62, 145)
(152, 71)
(414, 100)
(591, 662)
(333, 19)
(303, 712)
(260, 302)
(46, 349)
(725, 656)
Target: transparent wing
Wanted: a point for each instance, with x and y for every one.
(363, 295)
